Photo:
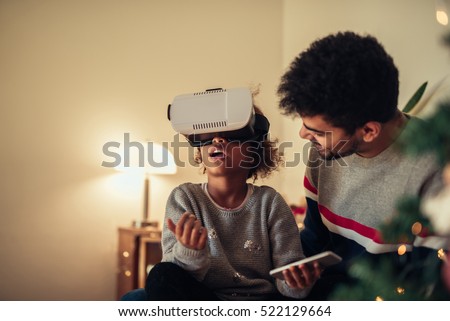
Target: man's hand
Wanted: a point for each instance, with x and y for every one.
(301, 276)
(189, 231)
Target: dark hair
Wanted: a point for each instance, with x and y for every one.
(346, 78)
(269, 158)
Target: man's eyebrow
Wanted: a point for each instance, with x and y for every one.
(313, 130)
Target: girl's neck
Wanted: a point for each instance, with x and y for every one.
(227, 192)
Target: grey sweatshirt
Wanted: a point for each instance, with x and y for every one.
(243, 245)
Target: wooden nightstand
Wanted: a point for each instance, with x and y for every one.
(139, 249)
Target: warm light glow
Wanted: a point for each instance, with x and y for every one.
(401, 249)
(416, 228)
(125, 254)
(400, 290)
(441, 17)
(441, 255)
(148, 158)
(141, 160)
(379, 298)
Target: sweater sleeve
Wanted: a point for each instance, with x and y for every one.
(315, 237)
(197, 262)
(285, 240)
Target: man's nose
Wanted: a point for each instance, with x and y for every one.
(305, 133)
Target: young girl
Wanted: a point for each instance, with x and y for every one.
(221, 238)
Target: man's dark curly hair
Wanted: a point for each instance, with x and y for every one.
(346, 78)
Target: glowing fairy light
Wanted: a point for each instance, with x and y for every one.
(441, 255)
(378, 298)
(441, 17)
(400, 290)
(416, 228)
(441, 12)
(401, 249)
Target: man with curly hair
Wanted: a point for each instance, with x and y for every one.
(345, 89)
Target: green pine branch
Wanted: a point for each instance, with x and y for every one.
(432, 135)
(399, 228)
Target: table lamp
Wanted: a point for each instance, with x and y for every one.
(158, 161)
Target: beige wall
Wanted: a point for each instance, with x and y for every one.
(77, 74)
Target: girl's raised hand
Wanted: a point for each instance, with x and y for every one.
(189, 231)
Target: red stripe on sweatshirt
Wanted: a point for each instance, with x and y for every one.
(347, 223)
(309, 186)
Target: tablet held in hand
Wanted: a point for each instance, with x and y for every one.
(325, 259)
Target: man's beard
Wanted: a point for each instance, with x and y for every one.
(330, 154)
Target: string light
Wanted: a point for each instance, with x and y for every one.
(441, 13)
(401, 249)
(416, 228)
(378, 298)
(400, 290)
(441, 255)
(441, 17)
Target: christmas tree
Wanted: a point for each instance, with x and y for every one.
(417, 278)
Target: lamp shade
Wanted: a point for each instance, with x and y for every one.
(146, 159)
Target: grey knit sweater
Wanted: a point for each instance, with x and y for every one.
(351, 197)
(244, 244)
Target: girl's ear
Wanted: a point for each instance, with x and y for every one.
(370, 131)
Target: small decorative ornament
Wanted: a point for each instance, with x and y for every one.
(252, 246)
(237, 277)
(212, 234)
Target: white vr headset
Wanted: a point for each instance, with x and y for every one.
(217, 112)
